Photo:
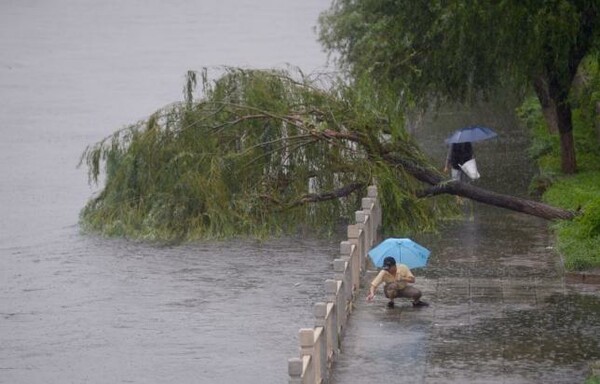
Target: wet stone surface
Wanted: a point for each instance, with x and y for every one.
(499, 313)
(502, 309)
(488, 332)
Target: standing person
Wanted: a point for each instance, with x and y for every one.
(458, 153)
(396, 279)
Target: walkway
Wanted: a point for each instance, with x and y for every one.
(500, 312)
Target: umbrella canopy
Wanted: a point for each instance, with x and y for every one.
(470, 134)
(405, 251)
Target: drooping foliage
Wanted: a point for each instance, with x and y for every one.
(460, 50)
(258, 153)
(455, 49)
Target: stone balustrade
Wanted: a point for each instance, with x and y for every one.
(320, 345)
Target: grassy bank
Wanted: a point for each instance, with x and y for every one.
(593, 380)
(577, 240)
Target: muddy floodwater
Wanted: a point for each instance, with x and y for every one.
(76, 308)
(80, 309)
(97, 311)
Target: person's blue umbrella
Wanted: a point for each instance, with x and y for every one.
(471, 134)
(405, 251)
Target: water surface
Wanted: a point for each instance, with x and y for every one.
(80, 309)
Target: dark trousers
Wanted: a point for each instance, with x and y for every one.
(392, 291)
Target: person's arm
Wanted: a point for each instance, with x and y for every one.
(371, 294)
(374, 284)
(448, 156)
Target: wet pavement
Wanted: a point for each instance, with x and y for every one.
(501, 312)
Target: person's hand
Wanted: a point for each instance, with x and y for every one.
(370, 296)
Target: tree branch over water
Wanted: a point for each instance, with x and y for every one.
(262, 152)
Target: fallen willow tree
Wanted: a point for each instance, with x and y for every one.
(264, 152)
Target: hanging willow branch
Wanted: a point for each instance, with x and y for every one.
(260, 153)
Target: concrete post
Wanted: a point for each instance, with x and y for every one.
(354, 233)
(320, 310)
(307, 348)
(334, 294)
(339, 267)
(368, 205)
(331, 287)
(372, 191)
(346, 248)
(325, 317)
(321, 353)
(319, 345)
(334, 337)
(295, 368)
(361, 218)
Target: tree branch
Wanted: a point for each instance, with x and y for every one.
(458, 188)
(344, 191)
(335, 194)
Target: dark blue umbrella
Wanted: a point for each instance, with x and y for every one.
(405, 251)
(470, 134)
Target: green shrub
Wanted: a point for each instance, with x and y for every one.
(593, 380)
(580, 252)
(578, 240)
(590, 220)
(574, 192)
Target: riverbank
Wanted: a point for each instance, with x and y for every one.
(578, 240)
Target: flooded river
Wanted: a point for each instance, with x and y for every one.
(81, 309)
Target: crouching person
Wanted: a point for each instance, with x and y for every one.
(396, 279)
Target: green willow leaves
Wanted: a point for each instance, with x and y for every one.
(259, 153)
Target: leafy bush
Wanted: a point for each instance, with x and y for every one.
(590, 221)
(577, 240)
(593, 380)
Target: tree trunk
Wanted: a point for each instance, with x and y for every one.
(529, 207)
(554, 94)
(547, 104)
(440, 186)
(565, 130)
(557, 114)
